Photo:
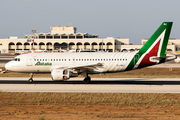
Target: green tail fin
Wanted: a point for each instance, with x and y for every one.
(162, 34)
(154, 47)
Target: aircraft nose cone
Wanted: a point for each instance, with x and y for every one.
(7, 66)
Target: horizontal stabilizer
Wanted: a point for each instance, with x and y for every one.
(168, 57)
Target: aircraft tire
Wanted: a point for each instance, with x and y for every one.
(30, 80)
(87, 80)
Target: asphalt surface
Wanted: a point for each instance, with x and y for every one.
(107, 85)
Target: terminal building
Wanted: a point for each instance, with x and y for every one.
(173, 46)
(59, 38)
(66, 38)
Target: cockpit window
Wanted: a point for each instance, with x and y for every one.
(16, 59)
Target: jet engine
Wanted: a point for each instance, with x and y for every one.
(62, 74)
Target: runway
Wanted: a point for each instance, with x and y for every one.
(105, 85)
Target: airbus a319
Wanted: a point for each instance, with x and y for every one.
(63, 66)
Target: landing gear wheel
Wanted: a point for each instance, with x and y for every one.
(30, 80)
(87, 80)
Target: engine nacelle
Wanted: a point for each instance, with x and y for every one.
(60, 74)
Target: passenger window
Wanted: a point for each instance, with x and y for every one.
(64, 59)
(84, 59)
(37, 59)
(73, 59)
(76, 59)
(56, 59)
(42, 59)
(87, 59)
(34, 59)
(114, 59)
(69, 59)
(106, 59)
(109, 59)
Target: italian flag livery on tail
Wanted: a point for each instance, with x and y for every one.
(153, 51)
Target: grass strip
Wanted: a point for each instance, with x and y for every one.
(116, 99)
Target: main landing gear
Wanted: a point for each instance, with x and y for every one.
(31, 78)
(87, 79)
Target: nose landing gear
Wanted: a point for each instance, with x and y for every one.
(31, 78)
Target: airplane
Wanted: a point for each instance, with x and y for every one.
(64, 66)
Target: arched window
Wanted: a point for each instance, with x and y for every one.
(19, 46)
(64, 46)
(49, 46)
(109, 43)
(26, 46)
(94, 43)
(86, 43)
(18, 43)
(71, 43)
(57, 45)
(124, 50)
(41, 46)
(34, 43)
(11, 46)
(101, 43)
(79, 43)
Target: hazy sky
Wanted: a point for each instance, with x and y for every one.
(133, 19)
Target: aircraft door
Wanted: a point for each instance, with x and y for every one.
(29, 60)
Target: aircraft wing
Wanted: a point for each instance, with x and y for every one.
(85, 67)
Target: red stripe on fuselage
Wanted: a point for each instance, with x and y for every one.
(154, 51)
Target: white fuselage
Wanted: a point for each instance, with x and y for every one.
(45, 62)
